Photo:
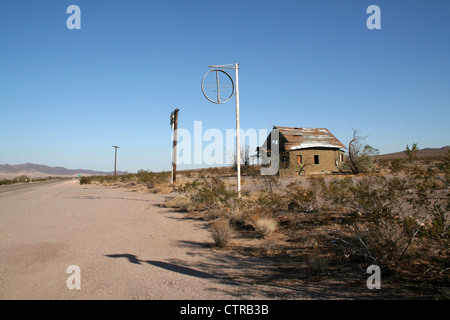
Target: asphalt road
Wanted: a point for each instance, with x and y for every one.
(9, 188)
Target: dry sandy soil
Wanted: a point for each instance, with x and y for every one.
(126, 245)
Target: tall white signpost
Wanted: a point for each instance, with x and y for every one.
(224, 88)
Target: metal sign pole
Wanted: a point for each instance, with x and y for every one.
(238, 146)
(234, 89)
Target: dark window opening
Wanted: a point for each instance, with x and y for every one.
(316, 159)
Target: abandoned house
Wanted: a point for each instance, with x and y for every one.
(306, 150)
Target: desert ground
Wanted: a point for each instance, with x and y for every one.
(129, 245)
(126, 245)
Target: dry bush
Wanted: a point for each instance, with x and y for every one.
(140, 189)
(151, 178)
(216, 212)
(269, 183)
(317, 263)
(211, 192)
(237, 217)
(85, 180)
(182, 203)
(234, 215)
(261, 219)
(394, 217)
(162, 189)
(188, 186)
(221, 232)
(300, 198)
(265, 225)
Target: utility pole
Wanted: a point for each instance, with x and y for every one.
(115, 162)
(174, 125)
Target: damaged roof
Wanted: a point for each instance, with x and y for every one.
(302, 138)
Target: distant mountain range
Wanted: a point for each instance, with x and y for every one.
(422, 153)
(32, 170)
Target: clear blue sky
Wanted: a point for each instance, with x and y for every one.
(67, 96)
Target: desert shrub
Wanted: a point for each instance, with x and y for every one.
(360, 157)
(432, 195)
(266, 225)
(338, 191)
(187, 174)
(153, 179)
(219, 211)
(260, 218)
(411, 153)
(22, 179)
(221, 232)
(190, 186)
(181, 203)
(102, 179)
(270, 194)
(317, 184)
(300, 198)
(396, 165)
(85, 180)
(310, 199)
(274, 201)
(144, 176)
(269, 183)
(99, 179)
(162, 189)
(127, 177)
(444, 167)
(382, 204)
(237, 218)
(5, 181)
(362, 164)
(392, 215)
(211, 192)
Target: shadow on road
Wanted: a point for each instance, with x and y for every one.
(165, 265)
(248, 284)
(109, 198)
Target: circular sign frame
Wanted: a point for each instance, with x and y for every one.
(219, 99)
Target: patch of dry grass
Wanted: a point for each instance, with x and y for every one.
(140, 189)
(181, 203)
(265, 225)
(221, 232)
(162, 189)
